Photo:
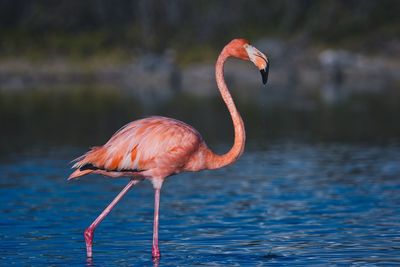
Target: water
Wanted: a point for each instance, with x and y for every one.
(291, 204)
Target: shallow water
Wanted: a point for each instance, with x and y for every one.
(310, 205)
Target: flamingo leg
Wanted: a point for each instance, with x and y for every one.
(90, 230)
(156, 251)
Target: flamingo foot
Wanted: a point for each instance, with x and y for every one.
(155, 252)
(89, 241)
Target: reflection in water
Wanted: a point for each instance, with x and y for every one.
(156, 262)
(43, 118)
(89, 261)
(286, 205)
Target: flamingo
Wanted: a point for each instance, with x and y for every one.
(155, 148)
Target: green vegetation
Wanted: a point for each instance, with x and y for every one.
(40, 29)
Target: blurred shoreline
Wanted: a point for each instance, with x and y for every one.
(313, 95)
(297, 71)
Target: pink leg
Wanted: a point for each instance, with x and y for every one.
(90, 230)
(156, 251)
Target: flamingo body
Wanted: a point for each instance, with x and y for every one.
(155, 148)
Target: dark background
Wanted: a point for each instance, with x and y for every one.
(88, 27)
(73, 72)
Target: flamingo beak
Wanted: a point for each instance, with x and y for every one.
(260, 60)
(264, 74)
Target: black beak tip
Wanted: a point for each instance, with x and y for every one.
(264, 75)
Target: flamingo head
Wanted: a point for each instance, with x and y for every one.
(240, 48)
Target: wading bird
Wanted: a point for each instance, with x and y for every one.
(155, 148)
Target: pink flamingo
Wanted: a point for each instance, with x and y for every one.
(155, 148)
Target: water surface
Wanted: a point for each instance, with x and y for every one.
(290, 204)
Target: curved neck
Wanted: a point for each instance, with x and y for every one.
(217, 161)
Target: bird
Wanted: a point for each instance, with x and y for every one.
(155, 148)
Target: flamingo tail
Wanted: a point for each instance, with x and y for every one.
(78, 173)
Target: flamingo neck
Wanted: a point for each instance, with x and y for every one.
(218, 161)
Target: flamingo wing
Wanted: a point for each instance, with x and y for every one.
(152, 143)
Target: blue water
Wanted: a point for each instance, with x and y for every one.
(293, 205)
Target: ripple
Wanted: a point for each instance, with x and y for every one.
(289, 205)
